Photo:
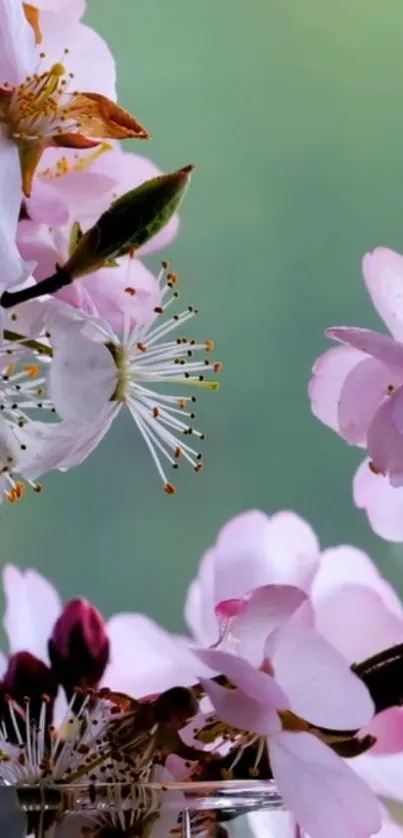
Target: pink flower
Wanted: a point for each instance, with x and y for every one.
(313, 682)
(357, 389)
(74, 188)
(346, 600)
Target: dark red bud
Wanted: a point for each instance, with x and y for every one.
(79, 646)
(27, 677)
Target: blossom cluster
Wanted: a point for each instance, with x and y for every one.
(85, 325)
(292, 674)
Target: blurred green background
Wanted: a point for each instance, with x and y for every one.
(293, 113)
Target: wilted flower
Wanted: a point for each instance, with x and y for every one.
(38, 107)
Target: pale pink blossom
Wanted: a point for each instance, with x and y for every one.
(95, 372)
(313, 681)
(345, 598)
(357, 389)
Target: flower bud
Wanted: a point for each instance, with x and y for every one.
(29, 679)
(130, 222)
(79, 646)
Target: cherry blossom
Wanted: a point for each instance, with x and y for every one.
(357, 390)
(310, 682)
(94, 372)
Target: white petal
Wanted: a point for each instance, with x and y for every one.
(32, 607)
(82, 376)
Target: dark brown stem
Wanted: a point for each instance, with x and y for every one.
(49, 285)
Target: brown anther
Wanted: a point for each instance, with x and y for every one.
(372, 467)
(132, 252)
(32, 370)
(178, 452)
(141, 347)
(19, 490)
(165, 264)
(209, 345)
(169, 489)
(390, 389)
(172, 278)
(182, 404)
(38, 488)
(156, 412)
(130, 291)
(159, 310)
(199, 467)
(217, 367)
(11, 496)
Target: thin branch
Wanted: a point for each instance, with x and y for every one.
(49, 285)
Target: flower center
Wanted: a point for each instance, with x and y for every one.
(122, 359)
(37, 108)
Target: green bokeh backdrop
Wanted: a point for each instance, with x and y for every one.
(293, 113)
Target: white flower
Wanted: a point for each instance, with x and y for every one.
(94, 373)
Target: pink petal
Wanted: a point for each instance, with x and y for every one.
(241, 711)
(346, 565)
(385, 441)
(106, 289)
(317, 680)
(327, 798)
(382, 773)
(382, 503)
(162, 661)
(199, 605)
(268, 607)
(17, 55)
(37, 244)
(32, 607)
(384, 348)
(387, 727)
(329, 374)
(251, 681)
(254, 550)
(89, 58)
(363, 391)
(356, 621)
(383, 274)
